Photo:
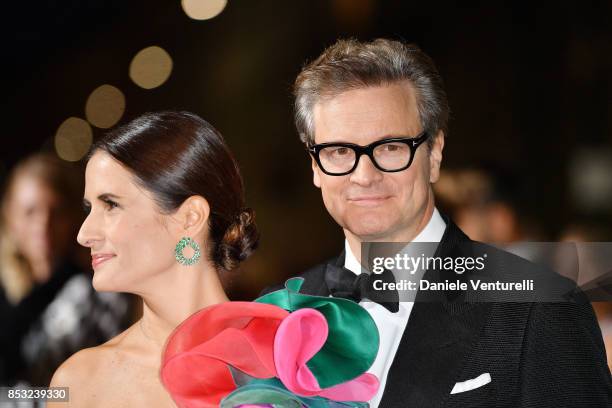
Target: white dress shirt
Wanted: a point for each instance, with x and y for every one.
(391, 325)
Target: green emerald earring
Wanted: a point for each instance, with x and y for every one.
(178, 251)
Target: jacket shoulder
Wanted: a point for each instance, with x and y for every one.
(314, 279)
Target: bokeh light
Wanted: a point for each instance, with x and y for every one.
(203, 9)
(151, 67)
(105, 106)
(73, 139)
(589, 179)
(354, 14)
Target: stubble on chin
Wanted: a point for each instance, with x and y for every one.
(368, 227)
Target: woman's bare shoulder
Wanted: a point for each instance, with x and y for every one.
(71, 371)
(87, 371)
(91, 360)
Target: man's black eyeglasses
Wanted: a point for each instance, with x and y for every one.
(388, 155)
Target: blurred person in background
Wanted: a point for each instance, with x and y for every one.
(48, 309)
(594, 231)
(484, 202)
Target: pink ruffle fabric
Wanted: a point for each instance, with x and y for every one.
(299, 337)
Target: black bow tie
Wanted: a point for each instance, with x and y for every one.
(345, 284)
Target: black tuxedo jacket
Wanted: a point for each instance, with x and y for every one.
(537, 354)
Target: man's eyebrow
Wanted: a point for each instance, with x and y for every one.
(379, 138)
(103, 197)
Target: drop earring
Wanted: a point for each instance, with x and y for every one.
(178, 251)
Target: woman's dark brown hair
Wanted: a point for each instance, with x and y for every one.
(176, 155)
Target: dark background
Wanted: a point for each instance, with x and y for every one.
(529, 85)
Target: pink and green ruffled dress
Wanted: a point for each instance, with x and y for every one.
(285, 349)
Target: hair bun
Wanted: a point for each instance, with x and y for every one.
(239, 241)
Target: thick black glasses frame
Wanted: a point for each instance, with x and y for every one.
(412, 142)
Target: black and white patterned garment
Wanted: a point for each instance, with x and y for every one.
(76, 318)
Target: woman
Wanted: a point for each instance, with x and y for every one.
(166, 216)
(46, 299)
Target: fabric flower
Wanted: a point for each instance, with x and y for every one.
(197, 358)
(284, 350)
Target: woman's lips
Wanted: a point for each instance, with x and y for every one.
(96, 260)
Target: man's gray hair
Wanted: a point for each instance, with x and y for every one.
(351, 64)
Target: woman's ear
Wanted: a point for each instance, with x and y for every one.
(193, 215)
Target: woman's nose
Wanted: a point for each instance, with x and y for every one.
(89, 232)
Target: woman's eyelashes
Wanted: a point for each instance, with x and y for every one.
(109, 204)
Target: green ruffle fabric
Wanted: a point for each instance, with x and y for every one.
(272, 392)
(353, 340)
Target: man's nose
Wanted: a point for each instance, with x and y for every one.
(365, 173)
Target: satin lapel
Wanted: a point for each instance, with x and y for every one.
(435, 343)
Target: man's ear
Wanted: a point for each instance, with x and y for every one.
(435, 157)
(316, 173)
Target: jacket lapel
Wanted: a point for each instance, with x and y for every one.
(436, 341)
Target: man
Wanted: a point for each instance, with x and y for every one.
(373, 117)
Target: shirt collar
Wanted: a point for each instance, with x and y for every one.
(433, 232)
